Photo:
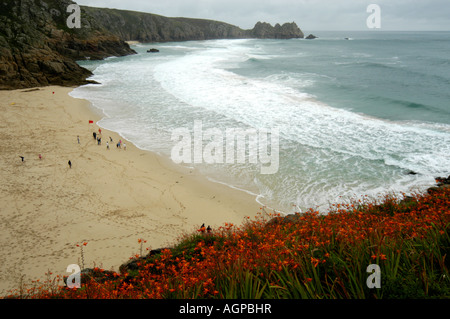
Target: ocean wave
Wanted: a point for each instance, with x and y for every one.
(408, 104)
(326, 152)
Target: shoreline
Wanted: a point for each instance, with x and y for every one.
(100, 114)
(109, 198)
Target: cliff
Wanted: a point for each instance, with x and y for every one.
(147, 27)
(37, 48)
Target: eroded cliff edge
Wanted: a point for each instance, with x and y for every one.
(38, 49)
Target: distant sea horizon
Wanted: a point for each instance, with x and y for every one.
(360, 113)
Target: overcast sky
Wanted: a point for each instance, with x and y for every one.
(310, 15)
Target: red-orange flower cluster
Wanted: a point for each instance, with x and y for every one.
(309, 244)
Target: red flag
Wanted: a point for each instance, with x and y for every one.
(91, 122)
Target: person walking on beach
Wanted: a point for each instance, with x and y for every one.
(95, 135)
(70, 164)
(23, 158)
(107, 145)
(78, 138)
(124, 146)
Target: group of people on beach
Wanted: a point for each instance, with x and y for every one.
(98, 138)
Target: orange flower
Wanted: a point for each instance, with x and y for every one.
(315, 261)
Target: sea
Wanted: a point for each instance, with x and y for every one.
(347, 116)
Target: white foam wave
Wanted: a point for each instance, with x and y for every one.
(330, 152)
(199, 81)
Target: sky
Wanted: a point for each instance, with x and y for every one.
(310, 15)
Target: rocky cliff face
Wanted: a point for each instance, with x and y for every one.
(147, 27)
(37, 48)
(264, 30)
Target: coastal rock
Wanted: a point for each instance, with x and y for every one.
(263, 30)
(153, 50)
(133, 264)
(311, 37)
(442, 182)
(290, 218)
(38, 49)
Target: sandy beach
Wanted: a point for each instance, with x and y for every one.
(108, 198)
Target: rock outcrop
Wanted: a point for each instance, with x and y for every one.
(134, 263)
(38, 49)
(441, 183)
(263, 30)
(311, 37)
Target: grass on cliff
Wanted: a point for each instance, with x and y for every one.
(313, 256)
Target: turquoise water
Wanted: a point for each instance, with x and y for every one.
(355, 116)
